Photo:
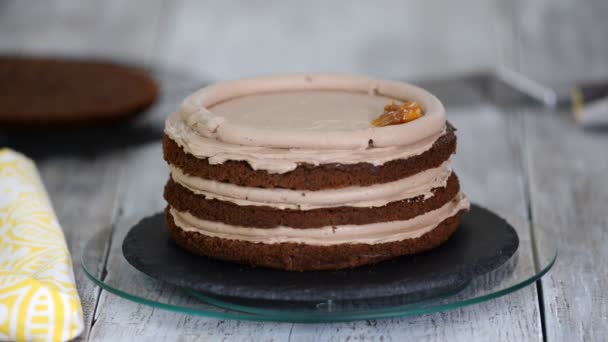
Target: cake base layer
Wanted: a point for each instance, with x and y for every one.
(308, 176)
(183, 199)
(302, 257)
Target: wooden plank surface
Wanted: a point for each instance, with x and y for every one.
(561, 42)
(83, 193)
(515, 317)
(568, 170)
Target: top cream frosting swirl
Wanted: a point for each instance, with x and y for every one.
(276, 122)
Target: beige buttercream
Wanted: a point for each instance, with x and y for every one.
(275, 123)
(281, 160)
(323, 127)
(325, 236)
(307, 110)
(376, 195)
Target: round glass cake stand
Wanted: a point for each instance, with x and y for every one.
(104, 263)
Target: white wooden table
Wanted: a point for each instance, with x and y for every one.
(530, 165)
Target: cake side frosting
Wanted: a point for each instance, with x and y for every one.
(307, 176)
(282, 160)
(418, 185)
(374, 233)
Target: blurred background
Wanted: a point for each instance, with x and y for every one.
(551, 41)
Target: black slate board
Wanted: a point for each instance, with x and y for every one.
(483, 242)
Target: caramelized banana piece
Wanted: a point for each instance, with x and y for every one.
(395, 114)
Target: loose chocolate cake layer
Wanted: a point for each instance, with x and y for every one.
(302, 257)
(184, 200)
(311, 177)
(45, 90)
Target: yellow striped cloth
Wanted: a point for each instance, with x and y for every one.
(38, 297)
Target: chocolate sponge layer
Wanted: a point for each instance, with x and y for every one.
(183, 200)
(311, 177)
(63, 91)
(302, 257)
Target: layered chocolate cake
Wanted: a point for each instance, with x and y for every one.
(311, 172)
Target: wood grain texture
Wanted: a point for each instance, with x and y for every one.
(562, 42)
(569, 194)
(83, 193)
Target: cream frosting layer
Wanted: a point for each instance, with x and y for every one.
(326, 236)
(337, 120)
(307, 110)
(281, 160)
(275, 123)
(375, 195)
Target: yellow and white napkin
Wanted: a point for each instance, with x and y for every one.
(38, 296)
